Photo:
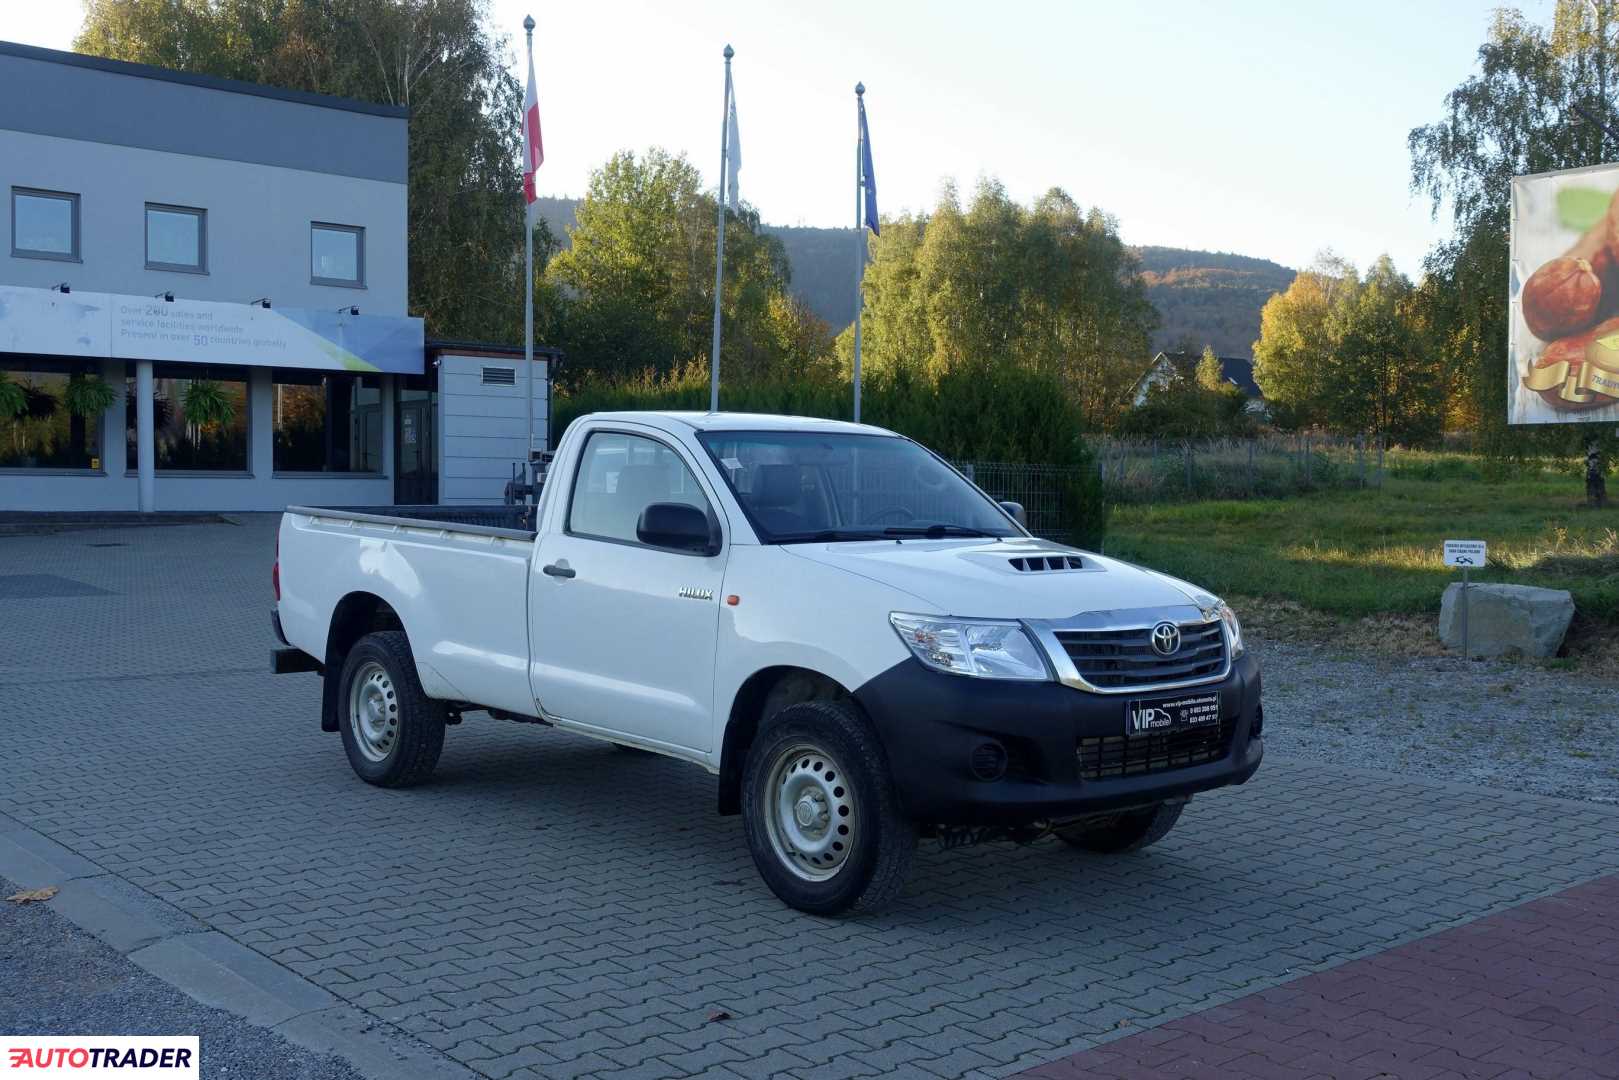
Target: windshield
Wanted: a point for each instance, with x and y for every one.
(800, 486)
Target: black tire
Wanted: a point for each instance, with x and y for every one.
(1130, 831)
(399, 744)
(826, 751)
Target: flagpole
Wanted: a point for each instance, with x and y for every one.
(719, 252)
(528, 266)
(860, 242)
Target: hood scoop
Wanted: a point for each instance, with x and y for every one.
(1040, 564)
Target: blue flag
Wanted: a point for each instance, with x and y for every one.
(867, 175)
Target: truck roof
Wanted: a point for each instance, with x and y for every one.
(724, 421)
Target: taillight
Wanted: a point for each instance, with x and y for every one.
(275, 570)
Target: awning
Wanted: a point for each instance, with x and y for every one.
(112, 325)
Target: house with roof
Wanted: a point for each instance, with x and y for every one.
(1166, 367)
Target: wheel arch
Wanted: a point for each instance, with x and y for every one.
(356, 615)
(761, 695)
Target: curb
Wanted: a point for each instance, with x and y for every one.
(212, 968)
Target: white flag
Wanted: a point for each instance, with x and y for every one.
(733, 159)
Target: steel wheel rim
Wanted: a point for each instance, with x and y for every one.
(374, 711)
(809, 812)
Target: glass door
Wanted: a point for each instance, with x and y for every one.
(415, 457)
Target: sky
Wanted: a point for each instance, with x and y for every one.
(1274, 129)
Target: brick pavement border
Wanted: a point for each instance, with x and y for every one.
(1525, 992)
(209, 966)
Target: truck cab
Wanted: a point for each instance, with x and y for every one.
(864, 647)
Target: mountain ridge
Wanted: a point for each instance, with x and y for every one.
(1202, 297)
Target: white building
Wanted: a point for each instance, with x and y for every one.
(229, 261)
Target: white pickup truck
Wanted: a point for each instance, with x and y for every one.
(862, 645)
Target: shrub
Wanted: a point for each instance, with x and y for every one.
(979, 412)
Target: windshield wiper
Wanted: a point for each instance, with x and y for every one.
(937, 530)
(824, 536)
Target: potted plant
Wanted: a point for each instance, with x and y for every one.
(205, 405)
(13, 403)
(85, 396)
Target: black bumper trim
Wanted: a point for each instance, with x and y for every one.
(289, 661)
(930, 723)
(286, 660)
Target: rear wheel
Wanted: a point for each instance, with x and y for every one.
(1128, 831)
(820, 812)
(393, 732)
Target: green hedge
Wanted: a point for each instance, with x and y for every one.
(984, 412)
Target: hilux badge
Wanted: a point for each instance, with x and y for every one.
(1166, 639)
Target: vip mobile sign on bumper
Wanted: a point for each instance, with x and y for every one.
(1563, 298)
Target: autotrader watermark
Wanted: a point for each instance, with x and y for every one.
(86, 1057)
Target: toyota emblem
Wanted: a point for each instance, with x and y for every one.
(1166, 639)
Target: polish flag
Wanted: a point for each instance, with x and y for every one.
(533, 148)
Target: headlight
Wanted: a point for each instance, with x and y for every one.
(1233, 628)
(988, 650)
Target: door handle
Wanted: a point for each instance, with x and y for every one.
(553, 570)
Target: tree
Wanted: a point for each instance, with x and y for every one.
(1210, 373)
(1297, 338)
(436, 56)
(1384, 377)
(639, 278)
(1351, 355)
(1048, 287)
(1515, 115)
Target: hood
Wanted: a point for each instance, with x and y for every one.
(1022, 578)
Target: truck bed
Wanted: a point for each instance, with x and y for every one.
(456, 577)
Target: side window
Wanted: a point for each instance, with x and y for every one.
(620, 476)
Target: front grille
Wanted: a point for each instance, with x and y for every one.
(1115, 659)
(1118, 755)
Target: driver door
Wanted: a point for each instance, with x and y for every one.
(623, 633)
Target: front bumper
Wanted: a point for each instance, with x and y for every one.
(931, 724)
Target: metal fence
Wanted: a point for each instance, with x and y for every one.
(1185, 470)
(1179, 470)
(1042, 489)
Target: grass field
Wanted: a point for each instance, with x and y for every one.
(1374, 552)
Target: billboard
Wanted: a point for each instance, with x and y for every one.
(1563, 298)
(205, 332)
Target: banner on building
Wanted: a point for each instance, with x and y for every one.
(110, 325)
(1563, 298)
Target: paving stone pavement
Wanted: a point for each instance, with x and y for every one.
(1525, 993)
(550, 907)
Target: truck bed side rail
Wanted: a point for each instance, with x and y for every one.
(505, 521)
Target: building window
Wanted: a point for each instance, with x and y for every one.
(176, 238)
(50, 413)
(337, 255)
(327, 422)
(44, 224)
(199, 417)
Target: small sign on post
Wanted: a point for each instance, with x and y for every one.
(1466, 554)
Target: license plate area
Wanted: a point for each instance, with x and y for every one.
(1166, 715)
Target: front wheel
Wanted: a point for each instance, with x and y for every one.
(392, 731)
(820, 812)
(1131, 830)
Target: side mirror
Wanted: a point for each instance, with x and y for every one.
(680, 526)
(1017, 512)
